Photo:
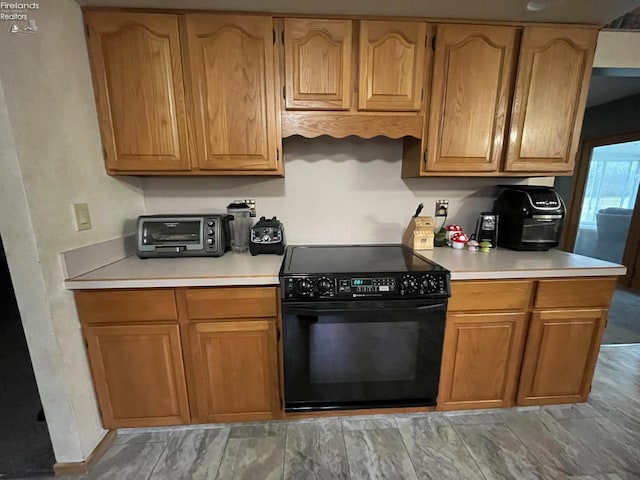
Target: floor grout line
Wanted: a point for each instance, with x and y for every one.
(404, 444)
(466, 447)
(224, 450)
(166, 446)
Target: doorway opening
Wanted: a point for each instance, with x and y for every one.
(604, 223)
(608, 201)
(25, 445)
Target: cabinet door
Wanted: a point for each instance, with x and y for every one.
(392, 58)
(549, 100)
(236, 373)
(137, 77)
(317, 64)
(138, 375)
(481, 360)
(470, 97)
(231, 60)
(560, 356)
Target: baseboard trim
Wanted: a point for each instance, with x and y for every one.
(82, 468)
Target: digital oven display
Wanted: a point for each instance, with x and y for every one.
(360, 282)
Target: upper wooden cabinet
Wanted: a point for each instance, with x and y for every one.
(317, 64)
(471, 91)
(340, 83)
(232, 68)
(188, 94)
(137, 78)
(476, 89)
(213, 93)
(550, 96)
(391, 73)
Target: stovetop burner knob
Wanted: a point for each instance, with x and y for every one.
(409, 284)
(429, 284)
(324, 286)
(304, 287)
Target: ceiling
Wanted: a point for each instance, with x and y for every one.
(598, 12)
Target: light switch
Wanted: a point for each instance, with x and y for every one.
(81, 214)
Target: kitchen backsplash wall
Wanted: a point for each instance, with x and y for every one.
(335, 191)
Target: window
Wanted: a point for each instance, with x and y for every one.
(614, 175)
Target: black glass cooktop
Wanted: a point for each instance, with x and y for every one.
(317, 259)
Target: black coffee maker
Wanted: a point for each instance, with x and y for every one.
(529, 217)
(487, 228)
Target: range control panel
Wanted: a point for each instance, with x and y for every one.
(423, 285)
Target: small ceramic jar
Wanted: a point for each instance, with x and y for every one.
(451, 230)
(459, 240)
(473, 245)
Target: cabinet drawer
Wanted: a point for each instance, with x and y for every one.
(575, 292)
(490, 295)
(118, 306)
(236, 302)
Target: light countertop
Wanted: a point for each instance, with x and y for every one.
(502, 263)
(235, 269)
(231, 269)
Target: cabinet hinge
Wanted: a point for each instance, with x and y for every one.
(282, 36)
(104, 152)
(86, 344)
(281, 403)
(277, 160)
(274, 36)
(426, 41)
(284, 92)
(433, 43)
(422, 95)
(86, 30)
(424, 156)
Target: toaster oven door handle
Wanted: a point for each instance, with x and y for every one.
(171, 249)
(546, 218)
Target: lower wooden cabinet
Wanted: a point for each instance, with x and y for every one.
(171, 356)
(532, 342)
(481, 360)
(560, 356)
(138, 374)
(235, 370)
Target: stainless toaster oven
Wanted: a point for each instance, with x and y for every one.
(182, 235)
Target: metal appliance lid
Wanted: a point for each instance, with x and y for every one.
(356, 259)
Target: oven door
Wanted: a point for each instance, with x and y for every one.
(362, 354)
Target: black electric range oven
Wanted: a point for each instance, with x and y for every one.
(363, 327)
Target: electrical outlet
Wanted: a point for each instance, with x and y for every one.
(442, 208)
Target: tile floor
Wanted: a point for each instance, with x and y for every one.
(596, 440)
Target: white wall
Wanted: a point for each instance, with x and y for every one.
(51, 158)
(335, 191)
(617, 50)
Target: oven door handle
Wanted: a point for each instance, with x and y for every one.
(326, 309)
